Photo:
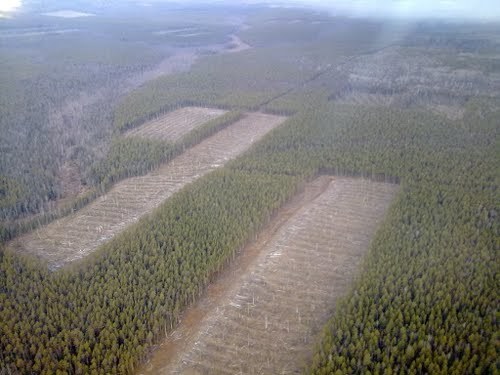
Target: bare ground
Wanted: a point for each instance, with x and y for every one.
(174, 125)
(262, 315)
(75, 236)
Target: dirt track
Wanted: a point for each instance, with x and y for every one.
(262, 315)
(75, 236)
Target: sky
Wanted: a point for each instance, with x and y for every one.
(9, 5)
(470, 9)
(467, 9)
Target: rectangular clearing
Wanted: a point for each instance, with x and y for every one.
(174, 125)
(267, 316)
(75, 236)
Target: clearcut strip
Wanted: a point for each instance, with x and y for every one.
(75, 236)
(174, 125)
(267, 319)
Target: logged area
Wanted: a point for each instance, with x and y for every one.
(264, 320)
(174, 125)
(222, 261)
(77, 235)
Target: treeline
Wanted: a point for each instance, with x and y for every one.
(127, 157)
(45, 141)
(133, 156)
(48, 112)
(103, 315)
(130, 156)
(61, 112)
(428, 295)
(284, 61)
(239, 81)
(426, 300)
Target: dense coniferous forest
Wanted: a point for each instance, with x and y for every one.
(126, 157)
(62, 79)
(426, 299)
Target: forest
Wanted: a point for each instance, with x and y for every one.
(63, 78)
(426, 299)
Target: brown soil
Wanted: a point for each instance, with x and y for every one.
(263, 314)
(75, 236)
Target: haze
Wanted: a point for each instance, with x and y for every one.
(9, 5)
(487, 9)
(249, 187)
(455, 9)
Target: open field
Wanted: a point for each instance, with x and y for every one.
(263, 318)
(77, 235)
(173, 125)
